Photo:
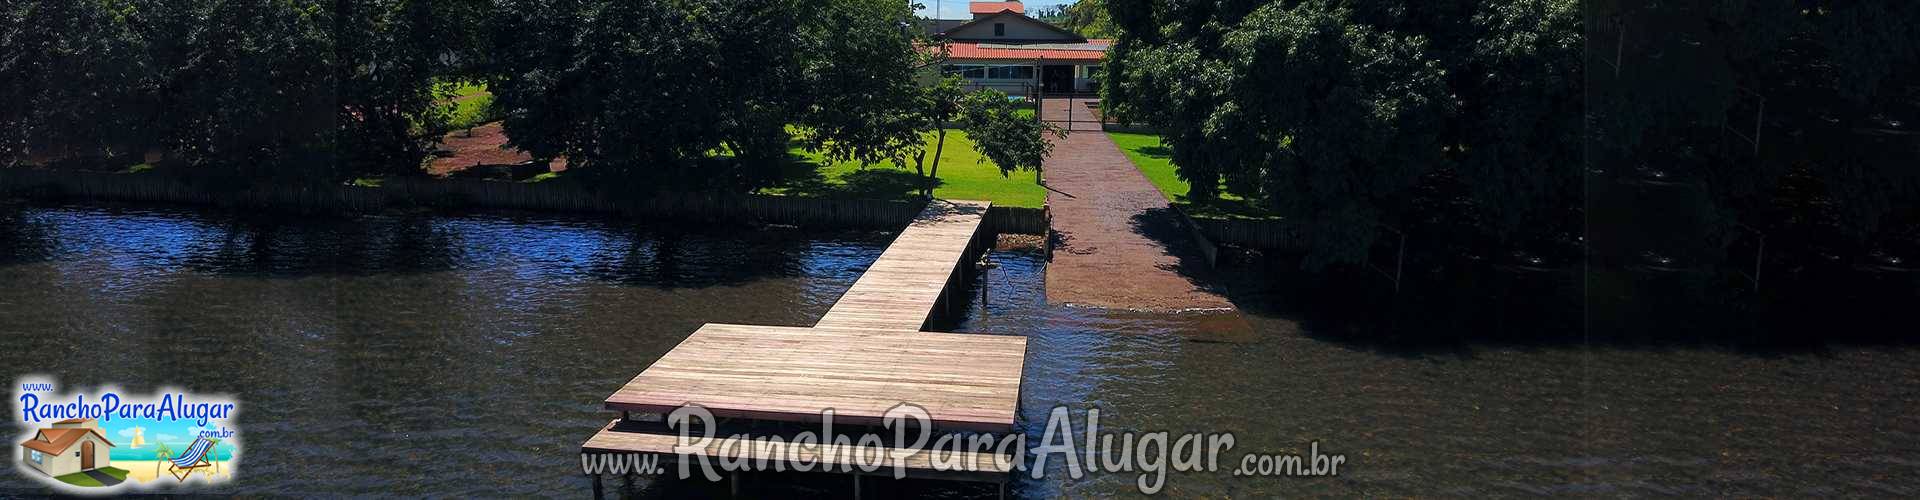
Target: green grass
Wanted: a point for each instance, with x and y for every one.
(82, 479)
(470, 106)
(964, 175)
(1155, 161)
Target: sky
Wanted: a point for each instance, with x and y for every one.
(957, 9)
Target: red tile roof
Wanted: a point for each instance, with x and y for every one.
(996, 7)
(973, 50)
(57, 441)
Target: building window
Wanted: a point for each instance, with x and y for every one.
(965, 70)
(37, 457)
(999, 29)
(980, 72)
(1010, 72)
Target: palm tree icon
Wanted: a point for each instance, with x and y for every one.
(163, 454)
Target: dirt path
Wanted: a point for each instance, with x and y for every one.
(482, 147)
(1118, 244)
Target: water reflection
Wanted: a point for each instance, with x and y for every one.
(457, 354)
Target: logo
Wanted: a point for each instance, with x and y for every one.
(104, 441)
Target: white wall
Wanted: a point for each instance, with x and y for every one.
(69, 462)
(45, 465)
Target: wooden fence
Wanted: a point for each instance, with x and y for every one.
(1261, 234)
(1017, 220)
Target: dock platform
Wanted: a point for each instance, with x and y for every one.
(866, 355)
(964, 381)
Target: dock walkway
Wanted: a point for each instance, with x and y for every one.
(900, 290)
(865, 356)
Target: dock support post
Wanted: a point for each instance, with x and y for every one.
(733, 484)
(597, 492)
(856, 487)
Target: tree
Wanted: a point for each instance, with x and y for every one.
(696, 93)
(1677, 92)
(867, 106)
(74, 78)
(257, 95)
(391, 56)
(1086, 17)
(1013, 142)
(1294, 104)
(992, 120)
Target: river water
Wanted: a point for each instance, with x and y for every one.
(466, 355)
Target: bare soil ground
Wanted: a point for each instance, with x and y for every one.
(482, 147)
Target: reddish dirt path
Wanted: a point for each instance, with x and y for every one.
(1118, 244)
(483, 147)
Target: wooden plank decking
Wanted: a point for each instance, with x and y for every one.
(899, 291)
(792, 374)
(864, 357)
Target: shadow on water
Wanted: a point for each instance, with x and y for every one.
(1459, 310)
(489, 375)
(662, 254)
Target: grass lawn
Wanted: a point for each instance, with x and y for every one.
(82, 479)
(964, 175)
(470, 102)
(1155, 160)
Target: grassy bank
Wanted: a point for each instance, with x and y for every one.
(471, 105)
(1155, 161)
(964, 175)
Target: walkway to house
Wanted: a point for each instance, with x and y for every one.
(1118, 244)
(103, 477)
(1072, 114)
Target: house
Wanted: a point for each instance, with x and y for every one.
(1002, 48)
(70, 446)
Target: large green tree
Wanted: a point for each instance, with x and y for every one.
(676, 93)
(1776, 114)
(1087, 17)
(75, 80)
(307, 90)
(389, 55)
(1455, 120)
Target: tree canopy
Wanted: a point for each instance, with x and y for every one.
(1794, 120)
(1363, 118)
(301, 89)
(1087, 17)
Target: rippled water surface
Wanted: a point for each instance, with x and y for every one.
(450, 354)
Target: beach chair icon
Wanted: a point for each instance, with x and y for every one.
(195, 458)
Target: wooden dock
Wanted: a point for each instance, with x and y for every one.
(900, 290)
(965, 381)
(865, 356)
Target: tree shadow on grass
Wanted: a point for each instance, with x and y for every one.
(1216, 208)
(805, 177)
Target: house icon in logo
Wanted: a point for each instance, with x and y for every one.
(71, 446)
